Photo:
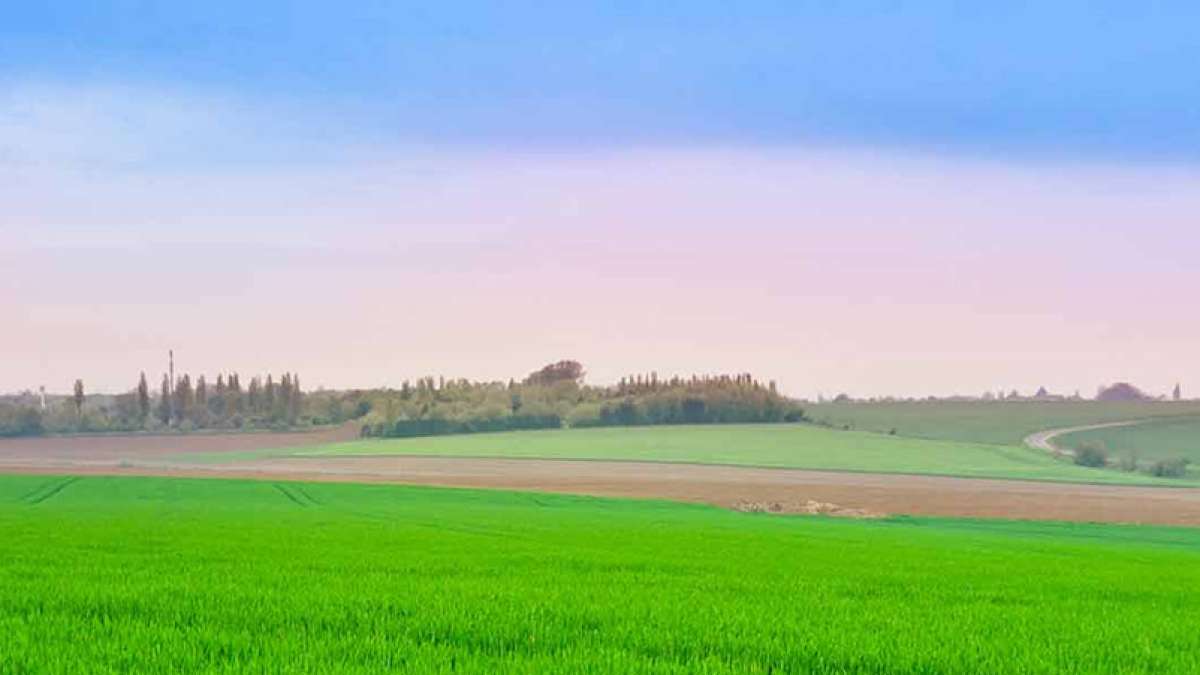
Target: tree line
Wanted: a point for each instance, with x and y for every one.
(556, 396)
(184, 405)
(553, 397)
(225, 403)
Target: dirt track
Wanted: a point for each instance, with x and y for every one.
(719, 485)
(1044, 440)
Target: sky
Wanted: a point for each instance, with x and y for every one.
(879, 198)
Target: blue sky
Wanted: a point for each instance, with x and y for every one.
(1114, 81)
(873, 197)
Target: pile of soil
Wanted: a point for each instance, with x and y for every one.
(809, 507)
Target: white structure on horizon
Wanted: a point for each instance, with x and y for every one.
(42, 395)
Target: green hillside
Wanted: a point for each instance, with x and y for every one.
(1154, 440)
(1002, 422)
(767, 445)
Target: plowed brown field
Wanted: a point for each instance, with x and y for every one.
(719, 485)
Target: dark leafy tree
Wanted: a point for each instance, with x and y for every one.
(235, 404)
(254, 396)
(164, 401)
(185, 398)
(218, 405)
(269, 396)
(77, 398)
(562, 371)
(143, 400)
(294, 400)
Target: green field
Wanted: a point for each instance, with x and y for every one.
(769, 445)
(1153, 440)
(158, 575)
(1005, 423)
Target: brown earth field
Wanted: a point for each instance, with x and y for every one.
(777, 490)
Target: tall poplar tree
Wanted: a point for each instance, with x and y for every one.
(78, 399)
(269, 396)
(164, 401)
(294, 400)
(143, 399)
(253, 395)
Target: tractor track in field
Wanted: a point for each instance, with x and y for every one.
(296, 494)
(719, 485)
(49, 490)
(289, 495)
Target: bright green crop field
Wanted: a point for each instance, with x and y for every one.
(1006, 423)
(1157, 439)
(799, 446)
(162, 575)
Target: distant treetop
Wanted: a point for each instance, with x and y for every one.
(563, 371)
(1121, 391)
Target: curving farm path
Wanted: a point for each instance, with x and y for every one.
(1044, 440)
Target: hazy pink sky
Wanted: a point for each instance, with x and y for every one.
(370, 192)
(866, 272)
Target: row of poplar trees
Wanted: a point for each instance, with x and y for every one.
(223, 403)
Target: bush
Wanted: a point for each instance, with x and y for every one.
(361, 409)
(25, 421)
(1128, 463)
(1090, 455)
(1169, 468)
(439, 427)
(584, 415)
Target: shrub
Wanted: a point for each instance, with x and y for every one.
(1090, 455)
(1128, 463)
(585, 415)
(362, 408)
(1169, 468)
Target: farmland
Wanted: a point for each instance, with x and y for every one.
(1156, 439)
(174, 574)
(781, 446)
(1005, 423)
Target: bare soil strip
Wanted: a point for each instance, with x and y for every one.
(131, 447)
(725, 486)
